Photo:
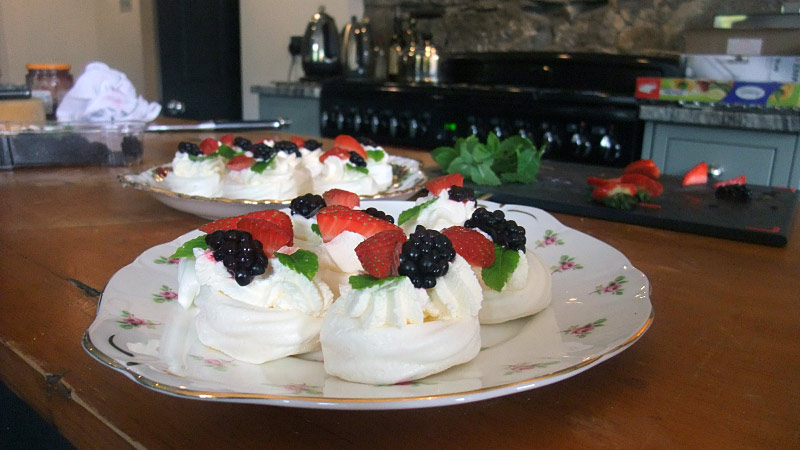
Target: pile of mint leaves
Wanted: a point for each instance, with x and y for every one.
(511, 160)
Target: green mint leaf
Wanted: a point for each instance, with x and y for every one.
(365, 281)
(460, 165)
(444, 156)
(528, 163)
(505, 262)
(185, 250)
(412, 212)
(315, 229)
(492, 143)
(202, 158)
(226, 152)
(260, 166)
(357, 169)
(483, 174)
(301, 261)
(376, 155)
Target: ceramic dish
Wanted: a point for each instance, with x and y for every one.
(408, 179)
(600, 306)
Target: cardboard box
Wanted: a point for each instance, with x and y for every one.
(778, 95)
(784, 69)
(773, 41)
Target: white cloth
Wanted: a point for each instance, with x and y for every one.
(102, 94)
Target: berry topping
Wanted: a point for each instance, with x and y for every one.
(350, 144)
(226, 223)
(227, 140)
(473, 246)
(379, 254)
(262, 151)
(311, 144)
(190, 148)
(333, 220)
(357, 160)
(209, 146)
(363, 140)
(298, 141)
(241, 255)
(307, 205)
(375, 212)
(279, 218)
(503, 232)
(439, 184)
(287, 147)
(337, 152)
(341, 197)
(271, 236)
(240, 162)
(425, 256)
(242, 142)
(461, 194)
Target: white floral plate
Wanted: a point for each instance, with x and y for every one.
(408, 179)
(600, 306)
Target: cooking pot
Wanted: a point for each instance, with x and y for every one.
(320, 50)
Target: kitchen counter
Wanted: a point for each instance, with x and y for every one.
(717, 369)
(784, 121)
(288, 89)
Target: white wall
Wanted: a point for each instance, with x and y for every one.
(266, 28)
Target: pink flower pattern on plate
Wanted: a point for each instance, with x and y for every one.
(549, 238)
(581, 331)
(613, 287)
(166, 260)
(526, 366)
(564, 264)
(217, 364)
(129, 321)
(165, 294)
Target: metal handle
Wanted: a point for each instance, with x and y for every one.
(275, 124)
(175, 107)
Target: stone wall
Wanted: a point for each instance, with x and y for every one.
(610, 26)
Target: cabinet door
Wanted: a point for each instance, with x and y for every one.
(766, 158)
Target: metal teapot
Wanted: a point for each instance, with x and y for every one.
(320, 51)
(357, 57)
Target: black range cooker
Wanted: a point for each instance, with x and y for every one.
(581, 105)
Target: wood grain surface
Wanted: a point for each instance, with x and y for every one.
(718, 368)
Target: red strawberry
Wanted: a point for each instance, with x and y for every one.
(271, 236)
(209, 146)
(380, 253)
(227, 140)
(226, 223)
(350, 144)
(341, 197)
(279, 218)
(643, 166)
(338, 152)
(240, 162)
(333, 220)
(653, 187)
(473, 246)
(297, 140)
(607, 190)
(437, 185)
(696, 175)
(597, 181)
(741, 179)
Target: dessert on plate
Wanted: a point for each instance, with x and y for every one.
(349, 166)
(445, 202)
(198, 169)
(266, 170)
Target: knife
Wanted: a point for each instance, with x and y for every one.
(275, 124)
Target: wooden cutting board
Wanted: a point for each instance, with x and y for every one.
(765, 219)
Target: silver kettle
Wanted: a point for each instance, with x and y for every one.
(357, 57)
(320, 51)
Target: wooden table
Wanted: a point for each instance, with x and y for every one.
(718, 369)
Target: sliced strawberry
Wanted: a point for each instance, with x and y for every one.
(271, 236)
(209, 146)
(350, 144)
(279, 218)
(338, 152)
(226, 223)
(380, 253)
(227, 140)
(333, 220)
(341, 197)
(437, 185)
(298, 141)
(741, 179)
(696, 175)
(643, 166)
(615, 195)
(473, 246)
(597, 181)
(653, 187)
(240, 162)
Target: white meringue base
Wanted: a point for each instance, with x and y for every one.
(507, 305)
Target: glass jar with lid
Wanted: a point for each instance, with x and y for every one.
(50, 82)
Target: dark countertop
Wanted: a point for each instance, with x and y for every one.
(299, 89)
(786, 121)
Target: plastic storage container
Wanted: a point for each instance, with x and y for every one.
(50, 82)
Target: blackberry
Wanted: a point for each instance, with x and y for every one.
(374, 212)
(735, 192)
(307, 205)
(363, 140)
(190, 148)
(287, 147)
(262, 151)
(242, 142)
(241, 255)
(425, 256)
(503, 232)
(312, 145)
(357, 160)
(461, 194)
